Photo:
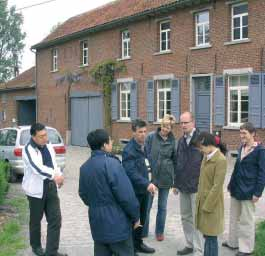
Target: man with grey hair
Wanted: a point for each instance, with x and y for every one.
(187, 174)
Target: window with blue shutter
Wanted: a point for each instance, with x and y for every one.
(255, 99)
(219, 101)
(114, 101)
(134, 112)
(175, 98)
(263, 101)
(150, 101)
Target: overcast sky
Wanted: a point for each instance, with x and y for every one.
(39, 20)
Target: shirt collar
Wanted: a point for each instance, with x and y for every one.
(209, 156)
(190, 134)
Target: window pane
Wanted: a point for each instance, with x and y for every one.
(244, 117)
(24, 137)
(129, 113)
(203, 17)
(234, 81)
(125, 87)
(164, 46)
(200, 30)
(11, 138)
(233, 117)
(234, 106)
(123, 105)
(165, 25)
(245, 32)
(236, 33)
(244, 106)
(244, 95)
(168, 95)
(164, 36)
(233, 95)
(245, 20)
(123, 113)
(243, 80)
(240, 9)
(237, 22)
(168, 107)
(53, 137)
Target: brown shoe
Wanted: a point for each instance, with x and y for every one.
(160, 237)
(225, 244)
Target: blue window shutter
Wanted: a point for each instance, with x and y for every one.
(150, 101)
(219, 101)
(114, 101)
(263, 101)
(133, 103)
(175, 98)
(254, 104)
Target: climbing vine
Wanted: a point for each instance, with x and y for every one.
(104, 74)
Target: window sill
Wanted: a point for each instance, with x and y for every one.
(238, 42)
(200, 47)
(123, 121)
(163, 52)
(230, 127)
(122, 59)
(83, 66)
(54, 71)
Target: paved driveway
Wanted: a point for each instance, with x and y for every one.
(76, 239)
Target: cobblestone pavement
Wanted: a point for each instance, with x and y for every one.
(76, 239)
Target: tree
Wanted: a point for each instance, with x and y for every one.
(11, 41)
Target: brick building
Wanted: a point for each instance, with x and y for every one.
(206, 56)
(18, 100)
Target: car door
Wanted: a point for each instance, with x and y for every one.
(11, 138)
(3, 136)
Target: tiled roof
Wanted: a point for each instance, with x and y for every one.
(105, 14)
(24, 80)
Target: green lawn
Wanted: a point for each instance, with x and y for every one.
(11, 238)
(260, 239)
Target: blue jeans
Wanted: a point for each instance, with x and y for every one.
(161, 212)
(210, 246)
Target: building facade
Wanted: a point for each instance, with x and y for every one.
(203, 56)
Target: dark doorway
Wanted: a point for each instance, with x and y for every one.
(26, 112)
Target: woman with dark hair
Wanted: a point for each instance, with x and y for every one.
(209, 218)
(246, 186)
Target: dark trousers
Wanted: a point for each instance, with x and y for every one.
(210, 246)
(50, 205)
(123, 248)
(137, 233)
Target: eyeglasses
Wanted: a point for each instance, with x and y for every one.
(182, 123)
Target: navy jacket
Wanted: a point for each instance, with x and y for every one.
(133, 161)
(188, 165)
(105, 188)
(248, 177)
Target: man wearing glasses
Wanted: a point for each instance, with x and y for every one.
(187, 174)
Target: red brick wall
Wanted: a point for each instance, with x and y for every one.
(10, 106)
(182, 62)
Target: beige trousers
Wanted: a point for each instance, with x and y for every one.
(242, 225)
(193, 236)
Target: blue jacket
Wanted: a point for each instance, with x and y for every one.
(133, 161)
(248, 177)
(105, 188)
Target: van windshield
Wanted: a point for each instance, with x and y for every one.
(53, 136)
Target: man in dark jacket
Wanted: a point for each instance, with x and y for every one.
(113, 208)
(187, 174)
(133, 160)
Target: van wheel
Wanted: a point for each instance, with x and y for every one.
(13, 177)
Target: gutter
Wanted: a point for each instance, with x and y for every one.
(17, 88)
(115, 23)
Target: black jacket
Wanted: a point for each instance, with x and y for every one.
(188, 166)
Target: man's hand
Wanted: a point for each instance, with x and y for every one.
(151, 188)
(137, 224)
(255, 199)
(175, 191)
(59, 179)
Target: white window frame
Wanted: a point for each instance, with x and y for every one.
(203, 24)
(241, 22)
(126, 45)
(239, 89)
(54, 59)
(167, 31)
(165, 90)
(84, 52)
(126, 93)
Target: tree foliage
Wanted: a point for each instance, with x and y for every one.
(11, 41)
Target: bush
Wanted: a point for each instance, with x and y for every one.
(4, 177)
(260, 238)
